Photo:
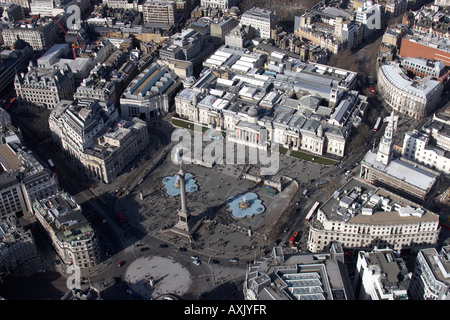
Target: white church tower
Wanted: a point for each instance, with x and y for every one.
(386, 146)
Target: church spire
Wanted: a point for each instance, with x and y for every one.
(386, 146)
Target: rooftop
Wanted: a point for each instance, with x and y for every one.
(403, 171)
(362, 203)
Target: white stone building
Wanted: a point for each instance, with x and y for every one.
(416, 147)
(382, 275)
(262, 21)
(44, 87)
(71, 235)
(431, 277)
(413, 98)
(255, 102)
(75, 124)
(362, 216)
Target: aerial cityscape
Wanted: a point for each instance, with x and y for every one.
(232, 150)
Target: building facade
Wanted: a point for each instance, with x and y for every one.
(431, 277)
(413, 98)
(379, 167)
(24, 180)
(362, 216)
(71, 234)
(17, 246)
(115, 149)
(416, 147)
(306, 276)
(261, 20)
(150, 93)
(44, 87)
(41, 36)
(381, 275)
(161, 12)
(75, 124)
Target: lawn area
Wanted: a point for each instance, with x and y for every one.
(309, 157)
(282, 150)
(184, 124)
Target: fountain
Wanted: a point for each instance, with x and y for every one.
(245, 205)
(172, 184)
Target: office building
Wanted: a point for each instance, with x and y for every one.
(182, 46)
(370, 17)
(75, 124)
(159, 12)
(219, 28)
(381, 275)
(261, 20)
(17, 246)
(417, 147)
(431, 277)
(362, 216)
(218, 4)
(422, 67)
(239, 36)
(40, 34)
(44, 87)
(150, 93)
(413, 98)
(114, 149)
(70, 233)
(12, 62)
(303, 276)
(24, 180)
(426, 46)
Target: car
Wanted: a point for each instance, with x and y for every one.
(182, 249)
(194, 257)
(234, 260)
(196, 262)
(163, 245)
(121, 263)
(215, 261)
(145, 249)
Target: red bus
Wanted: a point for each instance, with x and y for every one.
(121, 217)
(10, 103)
(293, 237)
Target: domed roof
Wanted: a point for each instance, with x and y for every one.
(235, 10)
(252, 112)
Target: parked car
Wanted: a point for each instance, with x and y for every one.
(196, 262)
(234, 260)
(121, 263)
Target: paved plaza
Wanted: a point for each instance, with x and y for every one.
(149, 206)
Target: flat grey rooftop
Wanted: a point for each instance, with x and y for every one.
(403, 171)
